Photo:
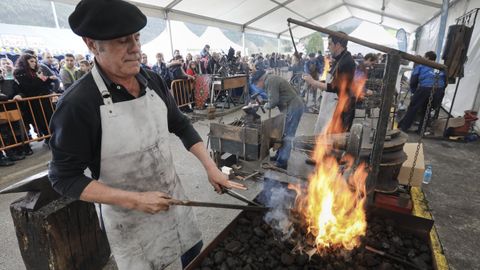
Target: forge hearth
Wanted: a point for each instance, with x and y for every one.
(250, 243)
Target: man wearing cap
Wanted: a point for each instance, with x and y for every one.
(281, 94)
(115, 121)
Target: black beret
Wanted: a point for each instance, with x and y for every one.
(106, 19)
(257, 75)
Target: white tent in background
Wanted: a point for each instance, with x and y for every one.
(373, 33)
(57, 41)
(159, 44)
(218, 41)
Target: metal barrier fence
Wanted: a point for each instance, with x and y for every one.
(16, 116)
(182, 91)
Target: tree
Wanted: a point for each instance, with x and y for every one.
(314, 43)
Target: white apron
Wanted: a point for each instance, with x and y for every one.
(327, 108)
(136, 157)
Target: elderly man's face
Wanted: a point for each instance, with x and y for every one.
(118, 57)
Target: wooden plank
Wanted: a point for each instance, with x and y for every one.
(239, 134)
(234, 82)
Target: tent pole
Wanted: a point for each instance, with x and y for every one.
(278, 44)
(52, 4)
(441, 31)
(169, 27)
(243, 42)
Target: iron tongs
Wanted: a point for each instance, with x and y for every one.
(239, 197)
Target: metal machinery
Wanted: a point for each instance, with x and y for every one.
(380, 145)
(248, 138)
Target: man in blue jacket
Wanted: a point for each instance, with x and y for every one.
(422, 81)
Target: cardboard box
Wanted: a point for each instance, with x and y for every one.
(410, 149)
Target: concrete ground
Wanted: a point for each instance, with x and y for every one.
(452, 195)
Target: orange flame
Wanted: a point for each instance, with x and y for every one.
(333, 206)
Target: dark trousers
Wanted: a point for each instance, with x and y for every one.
(292, 119)
(188, 256)
(419, 103)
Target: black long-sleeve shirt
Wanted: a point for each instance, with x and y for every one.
(77, 131)
(343, 72)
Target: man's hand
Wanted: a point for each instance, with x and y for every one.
(151, 202)
(148, 202)
(308, 78)
(218, 179)
(17, 97)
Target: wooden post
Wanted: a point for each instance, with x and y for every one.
(63, 234)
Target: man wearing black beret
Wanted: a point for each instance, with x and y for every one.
(115, 121)
(281, 94)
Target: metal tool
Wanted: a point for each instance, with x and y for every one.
(239, 197)
(391, 257)
(250, 175)
(220, 205)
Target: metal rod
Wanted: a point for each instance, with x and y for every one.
(391, 257)
(220, 205)
(240, 197)
(385, 49)
(393, 65)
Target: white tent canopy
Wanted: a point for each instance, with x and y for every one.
(373, 33)
(270, 16)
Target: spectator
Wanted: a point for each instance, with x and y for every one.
(144, 63)
(68, 73)
(188, 59)
(205, 52)
(161, 68)
(32, 83)
(313, 68)
(84, 69)
(273, 61)
(320, 62)
(78, 58)
(213, 64)
(361, 72)
(49, 69)
(201, 66)
(192, 69)
(176, 71)
(8, 90)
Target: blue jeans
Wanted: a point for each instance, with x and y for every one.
(292, 119)
(188, 256)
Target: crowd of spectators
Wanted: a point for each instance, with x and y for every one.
(33, 76)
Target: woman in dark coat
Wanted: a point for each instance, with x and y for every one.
(32, 83)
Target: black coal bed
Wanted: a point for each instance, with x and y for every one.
(393, 241)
